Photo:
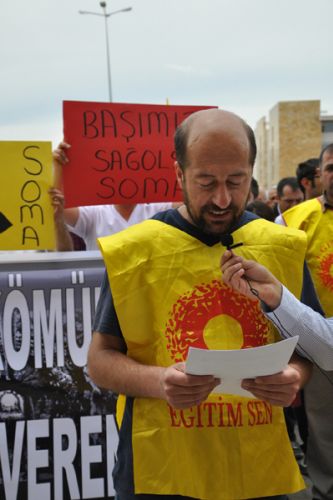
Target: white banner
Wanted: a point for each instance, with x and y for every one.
(58, 435)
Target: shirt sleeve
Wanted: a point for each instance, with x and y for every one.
(315, 332)
(106, 319)
(85, 223)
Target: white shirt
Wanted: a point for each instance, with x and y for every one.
(96, 221)
(280, 220)
(315, 332)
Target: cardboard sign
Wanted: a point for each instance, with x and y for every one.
(121, 153)
(26, 213)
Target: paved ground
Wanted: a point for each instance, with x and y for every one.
(305, 494)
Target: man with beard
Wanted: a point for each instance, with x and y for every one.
(163, 293)
(315, 218)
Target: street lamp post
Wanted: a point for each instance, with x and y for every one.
(106, 14)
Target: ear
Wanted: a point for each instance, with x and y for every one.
(305, 182)
(179, 174)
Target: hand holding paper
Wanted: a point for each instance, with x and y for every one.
(182, 390)
(279, 389)
(233, 366)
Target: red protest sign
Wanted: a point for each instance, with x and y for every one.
(121, 153)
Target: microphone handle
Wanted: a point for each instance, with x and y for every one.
(235, 246)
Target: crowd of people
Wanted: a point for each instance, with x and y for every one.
(165, 282)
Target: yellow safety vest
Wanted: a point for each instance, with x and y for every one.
(318, 226)
(168, 294)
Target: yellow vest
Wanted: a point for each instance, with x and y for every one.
(318, 226)
(168, 294)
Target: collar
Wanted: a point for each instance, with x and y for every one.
(209, 239)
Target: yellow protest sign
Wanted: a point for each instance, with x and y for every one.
(26, 213)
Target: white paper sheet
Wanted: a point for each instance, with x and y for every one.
(234, 365)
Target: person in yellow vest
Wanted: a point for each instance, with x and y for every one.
(163, 293)
(315, 218)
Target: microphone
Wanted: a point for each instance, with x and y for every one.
(228, 241)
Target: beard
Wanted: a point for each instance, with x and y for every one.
(329, 193)
(216, 227)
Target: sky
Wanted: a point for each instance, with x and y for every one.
(241, 55)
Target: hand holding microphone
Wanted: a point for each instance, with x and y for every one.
(228, 241)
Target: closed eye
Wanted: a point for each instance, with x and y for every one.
(233, 184)
(207, 186)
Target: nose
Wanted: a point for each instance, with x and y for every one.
(221, 197)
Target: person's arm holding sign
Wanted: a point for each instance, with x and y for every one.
(289, 315)
(60, 159)
(62, 216)
(64, 241)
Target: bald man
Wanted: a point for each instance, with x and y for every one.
(162, 294)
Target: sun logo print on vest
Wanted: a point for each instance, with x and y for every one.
(213, 316)
(325, 265)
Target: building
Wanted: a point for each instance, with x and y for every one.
(326, 129)
(294, 132)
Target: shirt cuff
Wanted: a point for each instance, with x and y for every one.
(287, 311)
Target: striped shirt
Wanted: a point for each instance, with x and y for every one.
(315, 332)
